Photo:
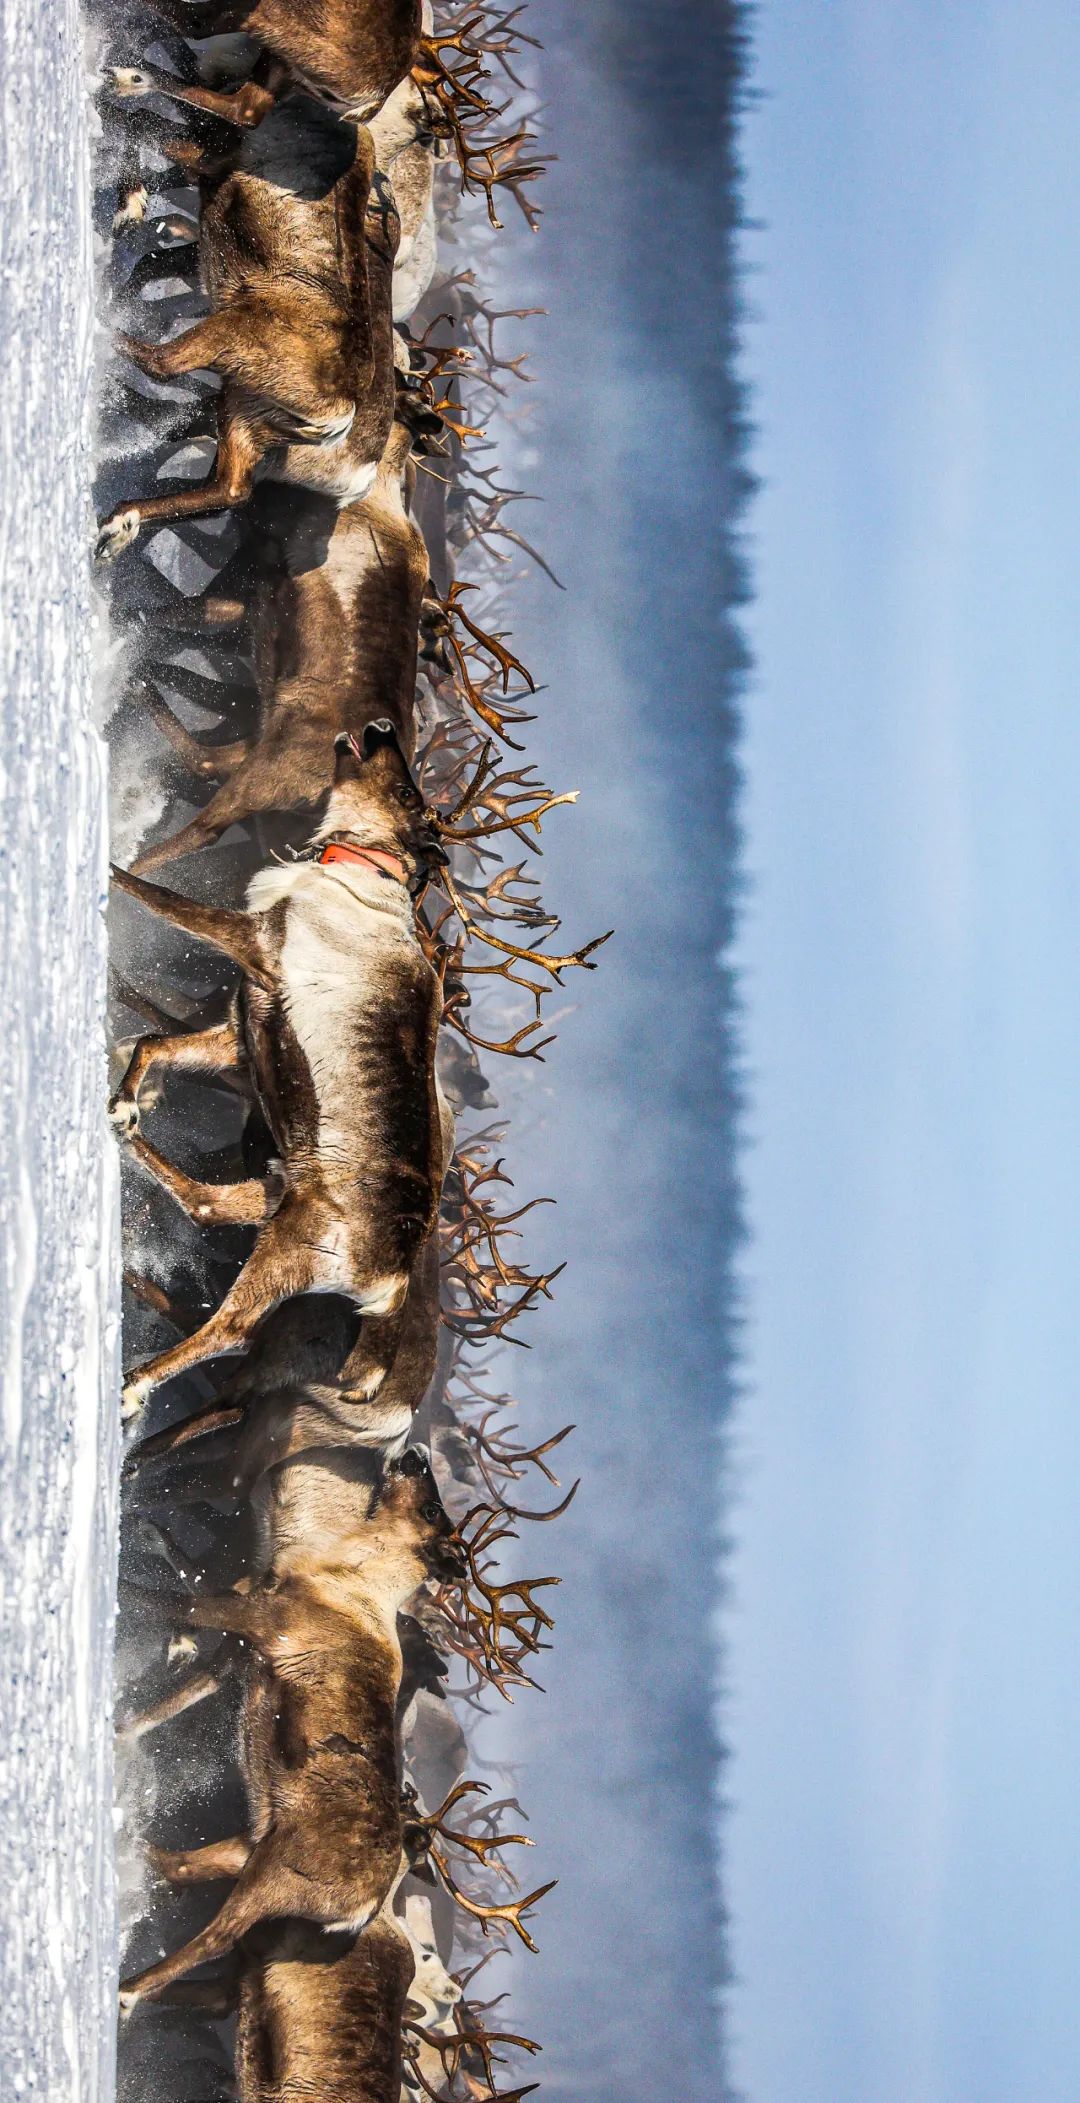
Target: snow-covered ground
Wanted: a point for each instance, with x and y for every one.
(58, 1203)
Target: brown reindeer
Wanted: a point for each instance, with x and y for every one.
(297, 243)
(321, 2016)
(335, 646)
(320, 1748)
(303, 1386)
(351, 54)
(291, 1436)
(335, 1026)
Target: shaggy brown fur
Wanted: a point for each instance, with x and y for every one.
(335, 646)
(297, 259)
(320, 1746)
(351, 53)
(321, 2016)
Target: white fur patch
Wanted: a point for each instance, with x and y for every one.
(384, 1295)
(343, 918)
(352, 483)
(354, 1926)
(328, 469)
(415, 268)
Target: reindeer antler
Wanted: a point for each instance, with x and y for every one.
(423, 1829)
(470, 2040)
(422, 1833)
(555, 966)
(500, 1622)
(486, 164)
(493, 644)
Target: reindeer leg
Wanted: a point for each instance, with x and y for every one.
(202, 1865)
(216, 1998)
(179, 262)
(245, 106)
(198, 1686)
(247, 1904)
(204, 1472)
(174, 423)
(246, 1204)
(201, 687)
(223, 606)
(208, 762)
(216, 1050)
(232, 1613)
(234, 933)
(208, 346)
(262, 781)
(283, 1263)
(229, 806)
(266, 1889)
(238, 455)
(132, 196)
(180, 1313)
(202, 1424)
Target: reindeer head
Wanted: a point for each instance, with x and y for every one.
(411, 1508)
(374, 803)
(411, 116)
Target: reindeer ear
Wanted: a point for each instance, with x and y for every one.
(380, 732)
(412, 1462)
(348, 758)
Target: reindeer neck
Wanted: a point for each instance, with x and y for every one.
(370, 1588)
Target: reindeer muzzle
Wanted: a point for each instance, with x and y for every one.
(433, 852)
(448, 1560)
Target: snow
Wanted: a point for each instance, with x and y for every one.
(58, 1184)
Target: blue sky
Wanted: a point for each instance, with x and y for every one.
(903, 1862)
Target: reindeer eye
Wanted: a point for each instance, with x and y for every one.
(431, 1512)
(408, 797)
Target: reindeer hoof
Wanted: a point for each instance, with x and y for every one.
(132, 211)
(127, 81)
(124, 1116)
(181, 1650)
(133, 1396)
(128, 2000)
(117, 533)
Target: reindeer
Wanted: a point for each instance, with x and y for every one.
(321, 2016)
(302, 1495)
(335, 646)
(349, 54)
(303, 1386)
(320, 1748)
(334, 1025)
(294, 1435)
(297, 244)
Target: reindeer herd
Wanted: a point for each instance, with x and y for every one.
(314, 721)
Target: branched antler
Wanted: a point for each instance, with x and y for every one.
(422, 1834)
(555, 966)
(486, 164)
(469, 2043)
(496, 1457)
(422, 1830)
(473, 1230)
(494, 1626)
(501, 794)
(494, 645)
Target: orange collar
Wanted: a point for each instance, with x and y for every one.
(378, 858)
